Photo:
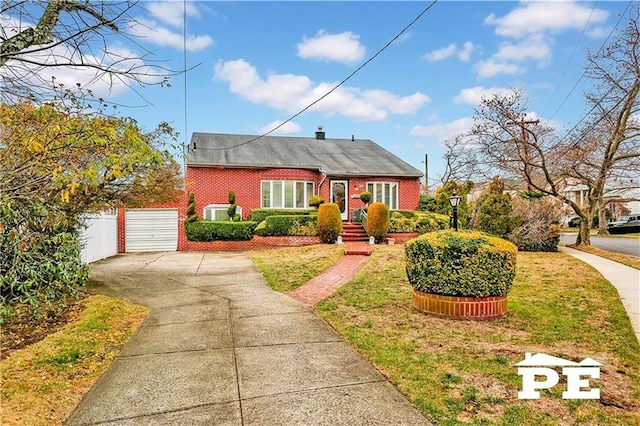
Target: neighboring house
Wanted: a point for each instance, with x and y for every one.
(278, 172)
(619, 201)
(283, 172)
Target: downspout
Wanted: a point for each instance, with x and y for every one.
(324, 177)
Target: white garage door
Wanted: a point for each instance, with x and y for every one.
(151, 230)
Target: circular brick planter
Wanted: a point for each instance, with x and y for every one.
(461, 308)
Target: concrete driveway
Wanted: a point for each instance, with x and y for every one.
(221, 348)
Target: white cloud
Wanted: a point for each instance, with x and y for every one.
(101, 84)
(534, 47)
(537, 17)
(442, 53)
(443, 131)
(474, 95)
(532, 25)
(449, 51)
(286, 129)
(465, 54)
(172, 12)
(491, 67)
(291, 93)
(344, 47)
(165, 37)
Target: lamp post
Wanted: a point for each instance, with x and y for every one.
(454, 200)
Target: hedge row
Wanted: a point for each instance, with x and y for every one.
(407, 221)
(258, 215)
(209, 230)
(288, 225)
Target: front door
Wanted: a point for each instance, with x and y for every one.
(340, 196)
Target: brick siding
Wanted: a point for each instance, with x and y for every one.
(211, 185)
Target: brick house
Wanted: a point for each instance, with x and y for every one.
(284, 172)
(279, 172)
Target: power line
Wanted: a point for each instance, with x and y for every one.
(364, 64)
(184, 49)
(587, 68)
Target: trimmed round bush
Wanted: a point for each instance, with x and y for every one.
(366, 197)
(329, 222)
(378, 221)
(315, 201)
(464, 264)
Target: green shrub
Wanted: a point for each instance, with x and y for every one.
(418, 222)
(211, 230)
(40, 258)
(288, 225)
(492, 212)
(305, 228)
(329, 222)
(409, 214)
(231, 211)
(378, 221)
(401, 225)
(191, 209)
(467, 264)
(427, 203)
(261, 229)
(258, 215)
(366, 197)
(315, 201)
(429, 222)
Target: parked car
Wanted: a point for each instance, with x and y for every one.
(625, 225)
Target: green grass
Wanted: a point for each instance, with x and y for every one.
(462, 372)
(42, 383)
(284, 274)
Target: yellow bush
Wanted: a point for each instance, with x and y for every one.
(329, 222)
(378, 221)
(469, 264)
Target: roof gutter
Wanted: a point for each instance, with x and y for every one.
(324, 177)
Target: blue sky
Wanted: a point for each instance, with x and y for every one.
(258, 63)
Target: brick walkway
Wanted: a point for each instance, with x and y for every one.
(323, 285)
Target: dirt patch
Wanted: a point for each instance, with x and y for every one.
(30, 325)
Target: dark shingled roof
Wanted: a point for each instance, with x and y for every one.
(346, 157)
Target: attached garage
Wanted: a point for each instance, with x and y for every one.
(151, 230)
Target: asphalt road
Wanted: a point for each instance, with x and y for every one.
(615, 244)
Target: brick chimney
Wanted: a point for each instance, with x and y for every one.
(320, 133)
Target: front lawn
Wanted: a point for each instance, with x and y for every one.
(462, 372)
(43, 382)
(288, 268)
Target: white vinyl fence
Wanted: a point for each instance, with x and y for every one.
(99, 239)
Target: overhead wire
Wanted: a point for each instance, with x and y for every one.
(184, 49)
(338, 85)
(602, 98)
(584, 73)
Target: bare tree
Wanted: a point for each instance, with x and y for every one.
(40, 42)
(605, 147)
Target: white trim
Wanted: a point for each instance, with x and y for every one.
(218, 207)
(283, 183)
(393, 191)
(345, 213)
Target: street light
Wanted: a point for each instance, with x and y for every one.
(454, 200)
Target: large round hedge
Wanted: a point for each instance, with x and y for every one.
(464, 264)
(329, 222)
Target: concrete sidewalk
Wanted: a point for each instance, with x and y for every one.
(221, 348)
(624, 278)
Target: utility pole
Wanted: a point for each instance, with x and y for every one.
(522, 123)
(426, 173)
